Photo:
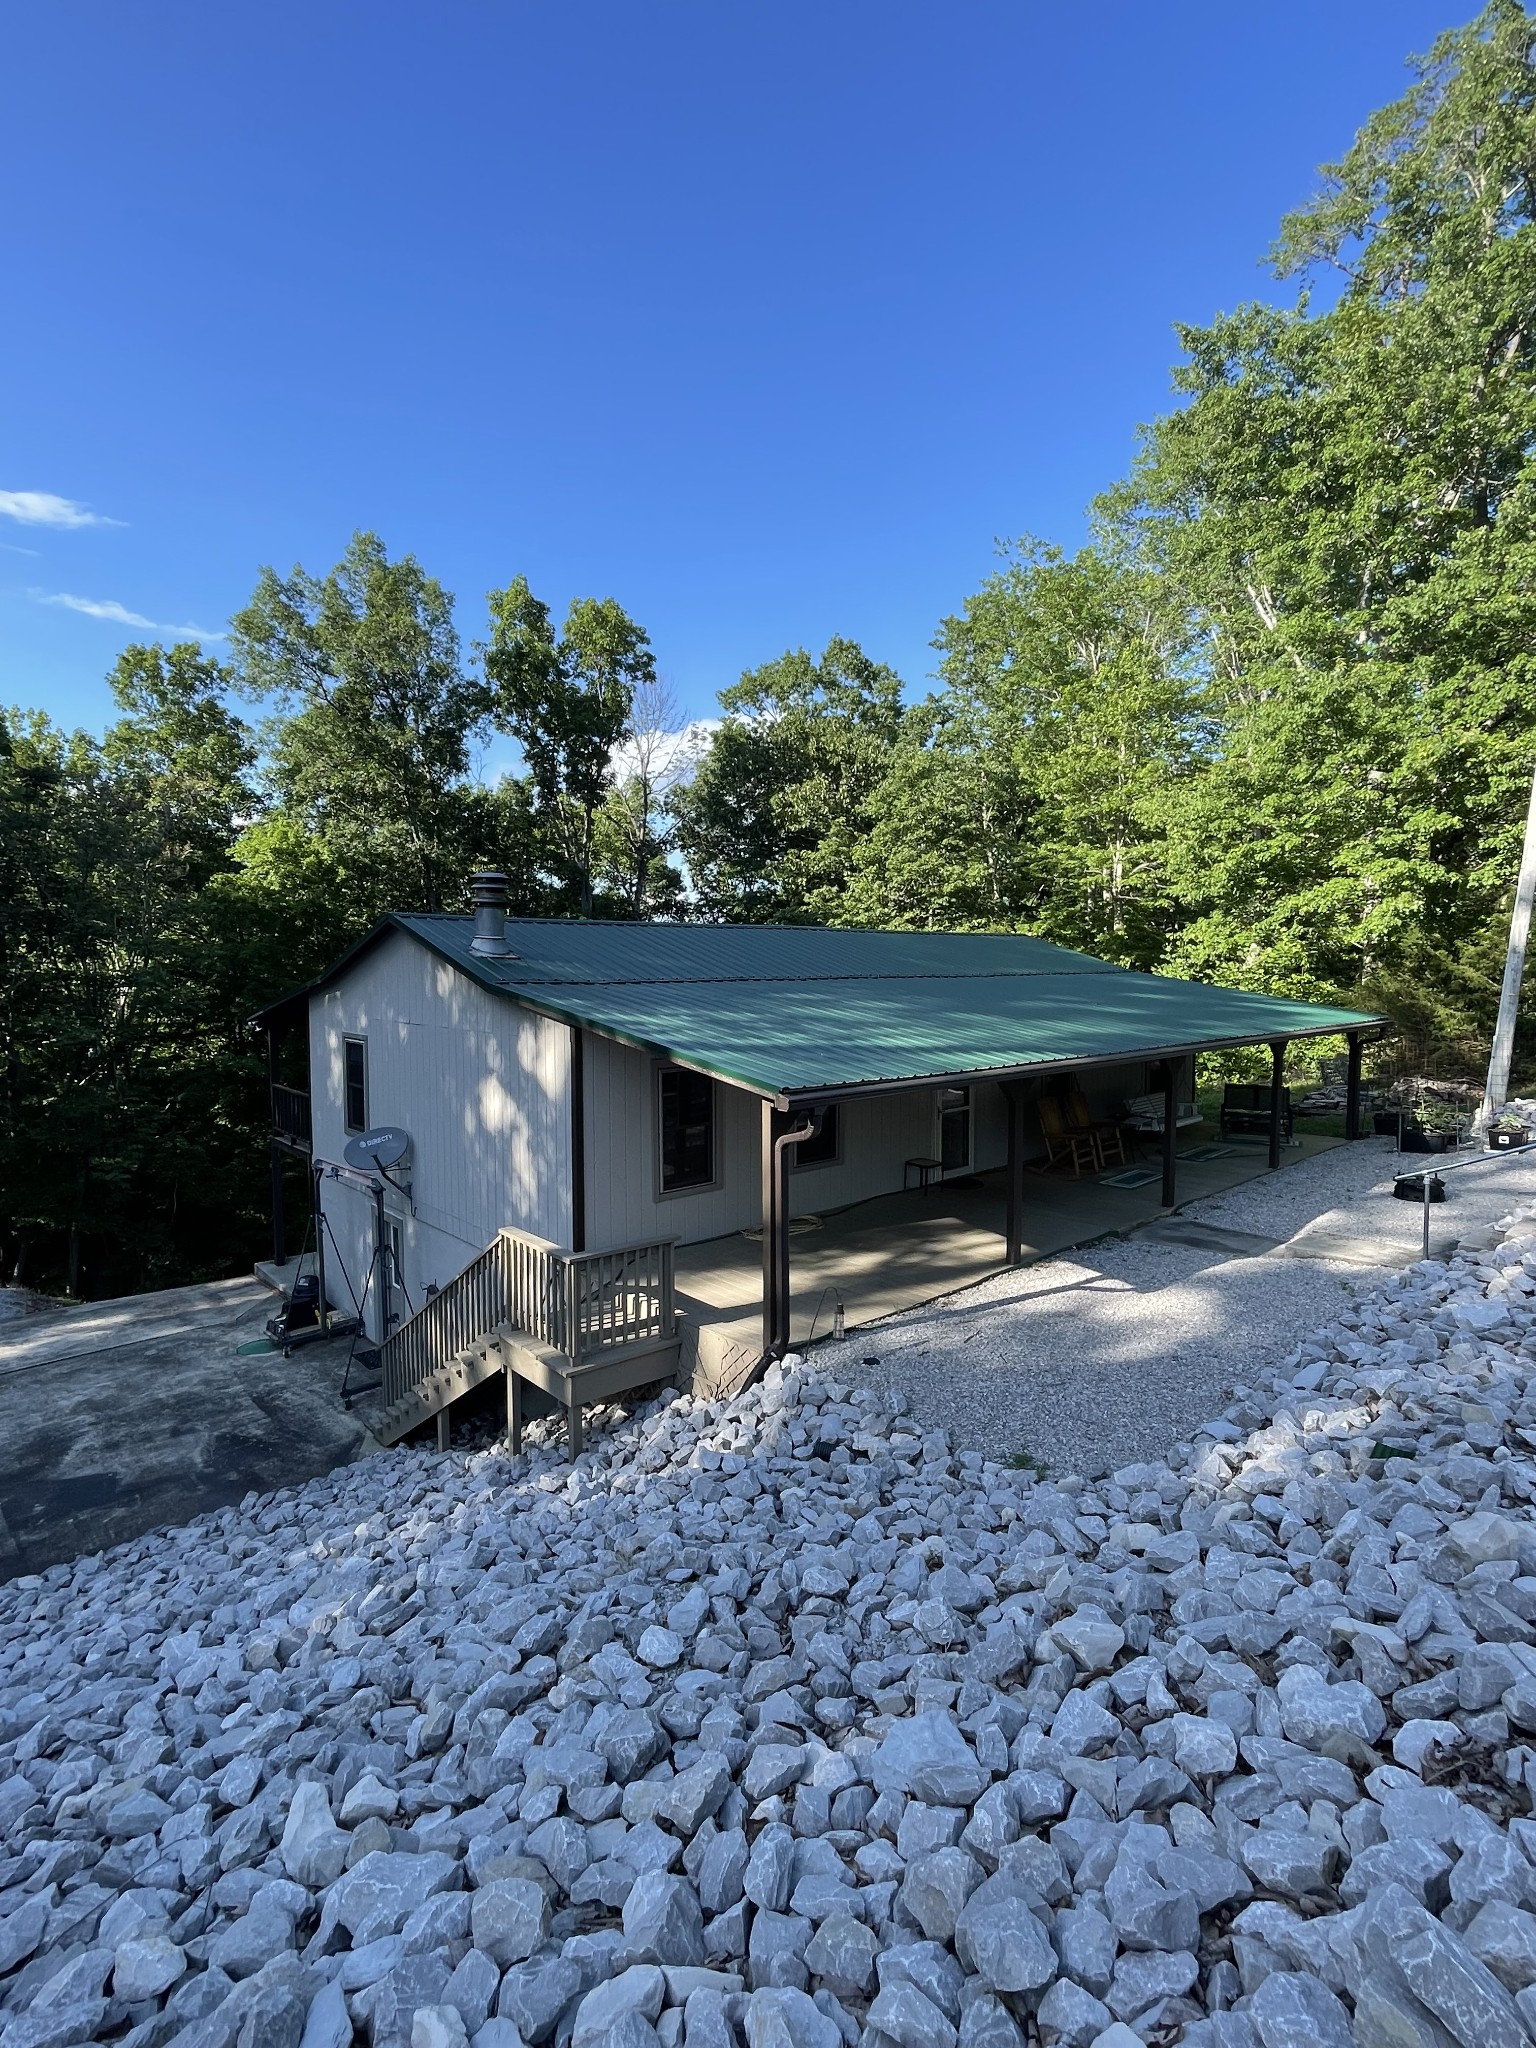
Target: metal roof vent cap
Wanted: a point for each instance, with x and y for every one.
(488, 892)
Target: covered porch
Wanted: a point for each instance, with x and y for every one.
(895, 1251)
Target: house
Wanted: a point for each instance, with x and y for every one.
(626, 1089)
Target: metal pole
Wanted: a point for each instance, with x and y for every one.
(1276, 1083)
(279, 1229)
(324, 1305)
(1352, 1089)
(1514, 969)
(1170, 1133)
(1425, 1178)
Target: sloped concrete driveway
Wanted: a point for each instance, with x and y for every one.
(119, 1416)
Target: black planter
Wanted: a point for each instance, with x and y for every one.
(1386, 1123)
(1424, 1141)
(1506, 1141)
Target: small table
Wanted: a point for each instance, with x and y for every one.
(927, 1171)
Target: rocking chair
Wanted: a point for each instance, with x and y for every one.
(1067, 1143)
(1107, 1134)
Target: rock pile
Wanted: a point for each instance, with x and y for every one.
(774, 1722)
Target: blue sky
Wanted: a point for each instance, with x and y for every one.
(765, 320)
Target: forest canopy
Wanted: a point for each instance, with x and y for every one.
(1274, 725)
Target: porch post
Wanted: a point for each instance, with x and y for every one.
(770, 1232)
(578, 1142)
(1276, 1083)
(1013, 1230)
(279, 1234)
(1170, 1133)
(1352, 1088)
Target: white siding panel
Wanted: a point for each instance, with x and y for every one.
(482, 1085)
(880, 1133)
(624, 1201)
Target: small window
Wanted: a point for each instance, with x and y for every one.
(954, 1129)
(354, 1054)
(823, 1149)
(687, 1130)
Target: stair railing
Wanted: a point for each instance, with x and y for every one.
(586, 1304)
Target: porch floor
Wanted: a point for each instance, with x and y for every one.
(897, 1251)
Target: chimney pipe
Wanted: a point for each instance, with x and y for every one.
(488, 892)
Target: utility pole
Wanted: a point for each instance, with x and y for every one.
(1514, 970)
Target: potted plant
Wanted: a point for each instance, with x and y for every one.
(1508, 1130)
(1431, 1128)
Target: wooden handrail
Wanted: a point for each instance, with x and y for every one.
(291, 1112)
(585, 1304)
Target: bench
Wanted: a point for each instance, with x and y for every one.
(1144, 1115)
(1246, 1105)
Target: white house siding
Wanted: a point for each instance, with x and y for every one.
(879, 1134)
(483, 1087)
(624, 1203)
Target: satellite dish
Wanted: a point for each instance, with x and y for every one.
(377, 1149)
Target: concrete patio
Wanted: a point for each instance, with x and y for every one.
(897, 1251)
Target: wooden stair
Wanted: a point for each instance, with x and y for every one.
(435, 1394)
(523, 1360)
(580, 1326)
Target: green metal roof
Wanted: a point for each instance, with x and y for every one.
(789, 1010)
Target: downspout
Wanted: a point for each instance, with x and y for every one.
(776, 1235)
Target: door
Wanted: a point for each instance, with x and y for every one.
(954, 1129)
(392, 1275)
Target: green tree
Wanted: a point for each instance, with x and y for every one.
(1345, 500)
(374, 748)
(1026, 795)
(567, 700)
(770, 823)
(131, 1094)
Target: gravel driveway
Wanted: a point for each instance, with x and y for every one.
(1115, 1352)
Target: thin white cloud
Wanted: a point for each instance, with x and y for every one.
(96, 608)
(9, 547)
(119, 615)
(45, 508)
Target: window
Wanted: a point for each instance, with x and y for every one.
(823, 1149)
(954, 1129)
(354, 1077)
(687, 1130)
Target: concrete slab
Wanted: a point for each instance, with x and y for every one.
(1206, 1237)
(118, 1416)
(899, 1251)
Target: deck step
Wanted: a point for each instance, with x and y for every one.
(470, 1368)
(509, 1350)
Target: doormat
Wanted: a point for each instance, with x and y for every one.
(1198, 1154)
(1133, 1177)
